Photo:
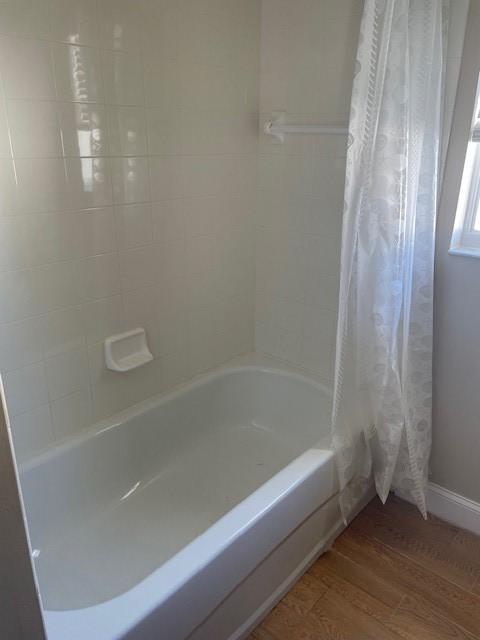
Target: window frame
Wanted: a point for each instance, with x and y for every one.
(465, 238)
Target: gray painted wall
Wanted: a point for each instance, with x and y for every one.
(456, 396)
(20, 615)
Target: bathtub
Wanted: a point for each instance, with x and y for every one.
(189, 515)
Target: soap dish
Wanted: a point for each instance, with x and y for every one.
(127, 351)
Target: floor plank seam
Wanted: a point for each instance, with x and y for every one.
(470, 591)
(476, 588)
(402, 599)
(424, 566)
(360, 587)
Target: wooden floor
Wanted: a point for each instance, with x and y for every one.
(390, 575)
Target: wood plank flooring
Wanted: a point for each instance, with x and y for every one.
(389, 576)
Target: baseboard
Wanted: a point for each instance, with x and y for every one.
(453, 508)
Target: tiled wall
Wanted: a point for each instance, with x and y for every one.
(128, 174)
(307, 56)
(128, 144)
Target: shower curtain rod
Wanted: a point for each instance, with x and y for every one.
(278, 128)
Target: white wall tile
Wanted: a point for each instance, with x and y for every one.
(165, 177)
(62, 330)
(171, 329)
(171, 262)
(229, 132)
(322, 290)
(324, 217)
(162, 83)
(134, 225)
(20, 344)
(207, 38)
(122, 76)
(203, 86)
(84, 129)
(160, 25)
(42, 239)
(130, 180)
(25, 389)
(119, 25)
(5, 149)
(29, 292)
(137, 267)
(77, 73)
(307, 57)
(38, 239)
(103, 318)
(54, 286)
(127, 131)
(120, 203)
(26, 67)
(41, 185)
(202, 175)
(200, 254)
(318, 341)
(173, 368)
(140, 311)
(12, 247)
(25, 18)
(322, 255)
(8, 188)
(71, 413)
(97, 231)
(169, 224)
(99, 276)
(16, 296)
(164, 131)
(89, 182)
(34, 129)
(74, 21)
(66, 373)
(32, 432)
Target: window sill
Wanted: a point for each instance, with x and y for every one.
(467, 252)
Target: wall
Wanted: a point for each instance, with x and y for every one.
(456, 406)
(456, 35)
(128, 144)
(20, 610)
(307, 59)
(307, 56)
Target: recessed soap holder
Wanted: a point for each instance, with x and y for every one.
(127, 351)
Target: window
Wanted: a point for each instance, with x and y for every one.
(466, 232)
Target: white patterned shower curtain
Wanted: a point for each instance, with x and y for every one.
(381, 417)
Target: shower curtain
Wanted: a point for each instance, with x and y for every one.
(381, 418)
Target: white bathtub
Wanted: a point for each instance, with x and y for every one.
(188, 515)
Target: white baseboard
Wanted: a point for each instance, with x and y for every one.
(453, 508)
